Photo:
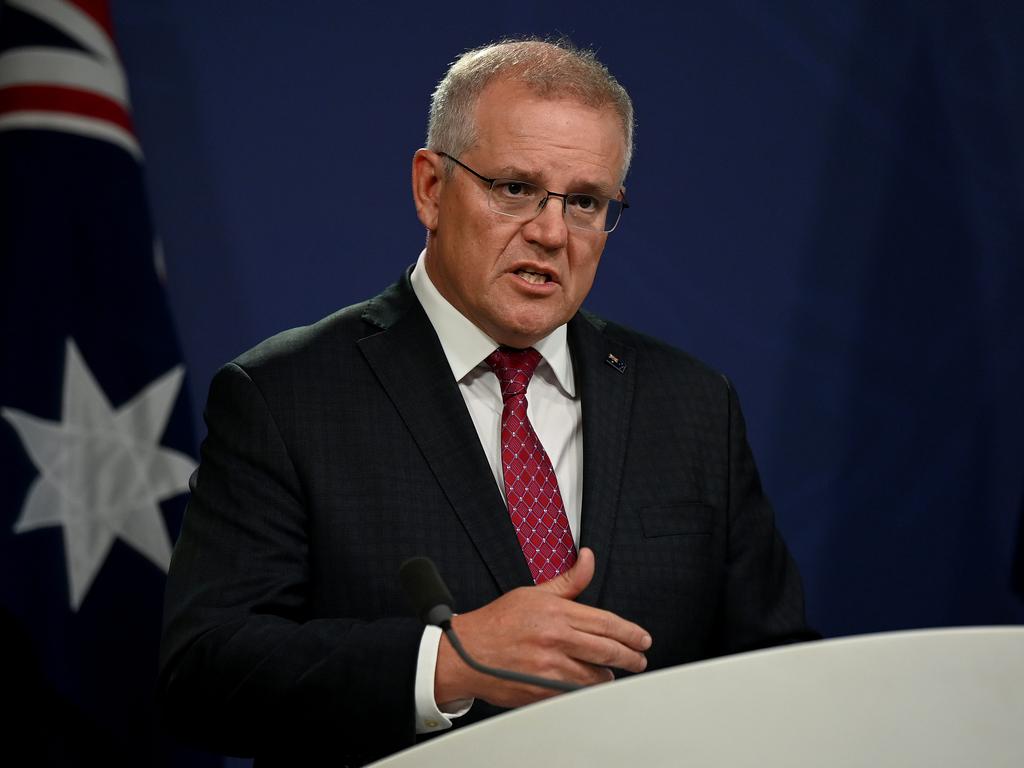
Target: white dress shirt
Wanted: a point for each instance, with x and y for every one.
(555, 413)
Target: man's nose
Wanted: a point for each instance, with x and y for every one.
(548, 228)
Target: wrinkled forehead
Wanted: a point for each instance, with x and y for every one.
(511, 114)
(522, 86)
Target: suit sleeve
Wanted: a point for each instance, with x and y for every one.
(247, 667)
(763, 602)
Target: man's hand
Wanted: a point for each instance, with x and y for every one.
(540, 631)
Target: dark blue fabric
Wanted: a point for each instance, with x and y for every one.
(826, 192)
(77, 261)
(19, 29)
(821, 192)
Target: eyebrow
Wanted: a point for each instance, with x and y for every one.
(586, 187)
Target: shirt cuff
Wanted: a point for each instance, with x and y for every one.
(429, 717)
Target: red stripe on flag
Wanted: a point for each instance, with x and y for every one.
(99, 11)
(54, 98)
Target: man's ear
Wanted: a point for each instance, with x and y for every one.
(427, 184)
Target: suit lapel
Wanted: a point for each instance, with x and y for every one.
(407, 358)
(606, 387)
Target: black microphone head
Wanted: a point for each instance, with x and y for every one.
(425, 587)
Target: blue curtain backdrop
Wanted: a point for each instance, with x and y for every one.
(827, 205)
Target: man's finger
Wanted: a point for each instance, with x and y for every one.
(570, 583)
(601, 623)
(604, 652)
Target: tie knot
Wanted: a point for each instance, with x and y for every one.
(514, 368)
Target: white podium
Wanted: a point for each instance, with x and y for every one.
(935, 698)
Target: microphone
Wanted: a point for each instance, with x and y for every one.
(427, 590)
(432, 601)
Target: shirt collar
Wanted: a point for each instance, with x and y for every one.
(465, 346)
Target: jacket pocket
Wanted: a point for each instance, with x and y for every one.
(689, 518)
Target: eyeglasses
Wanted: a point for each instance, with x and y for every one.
(524, 201)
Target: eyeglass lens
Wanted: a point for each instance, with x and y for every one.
(524, 200)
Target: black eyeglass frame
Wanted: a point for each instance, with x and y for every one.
(548, 194)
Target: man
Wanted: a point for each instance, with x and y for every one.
(587, 492)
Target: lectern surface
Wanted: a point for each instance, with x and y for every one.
(950, 697)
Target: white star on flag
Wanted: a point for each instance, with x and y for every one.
(102, 471)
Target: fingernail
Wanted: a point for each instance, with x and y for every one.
(646, 642)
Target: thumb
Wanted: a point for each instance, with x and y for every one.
(570, 583)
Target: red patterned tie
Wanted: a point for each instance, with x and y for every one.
(531, 488)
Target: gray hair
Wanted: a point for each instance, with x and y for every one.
(551, 68)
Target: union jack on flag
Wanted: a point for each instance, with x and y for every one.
(60, 71)
(95, 430)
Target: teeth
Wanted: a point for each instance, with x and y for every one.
(532, 277)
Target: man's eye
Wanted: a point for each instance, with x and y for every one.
(585, 203)
(515, 189)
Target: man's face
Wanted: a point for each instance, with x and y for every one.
(517, 281)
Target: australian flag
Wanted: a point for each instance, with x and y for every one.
(95, 431)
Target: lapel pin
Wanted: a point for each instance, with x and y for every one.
(615, 363)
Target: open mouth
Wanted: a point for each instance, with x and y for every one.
(535, 278)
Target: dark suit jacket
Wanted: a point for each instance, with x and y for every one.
(339, 450)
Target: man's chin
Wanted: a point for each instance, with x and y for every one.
(527, 333)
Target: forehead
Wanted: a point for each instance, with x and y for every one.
(551, 137)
